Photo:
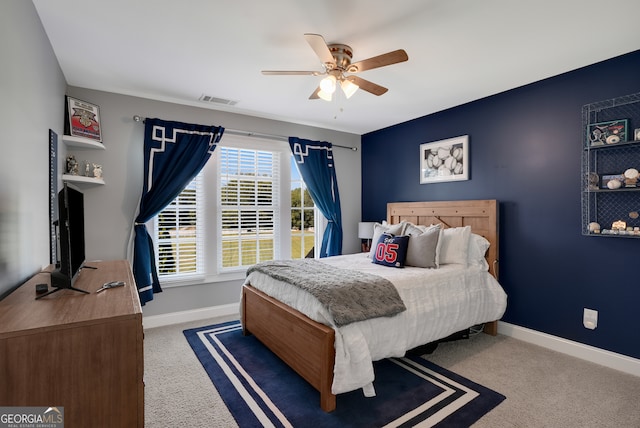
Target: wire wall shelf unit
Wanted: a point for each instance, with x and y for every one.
(610, 164)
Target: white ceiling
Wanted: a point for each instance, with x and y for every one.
(459, 50)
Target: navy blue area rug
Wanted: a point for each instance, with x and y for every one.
(260, 390)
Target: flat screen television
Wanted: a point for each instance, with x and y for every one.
(71, 255)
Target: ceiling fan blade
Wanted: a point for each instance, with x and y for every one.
(368, 86)
(319, 46)
(291, 73)
(379, 61)
(315, 95)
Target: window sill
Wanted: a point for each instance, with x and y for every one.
(202, 279)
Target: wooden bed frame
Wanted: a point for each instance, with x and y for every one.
(308, 346)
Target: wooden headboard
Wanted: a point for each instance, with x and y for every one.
(481, 215)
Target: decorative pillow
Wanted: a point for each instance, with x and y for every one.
(454, 245)
(478, 247)
(391, 250)
(413, 229)
(423, 241)
(379, 229)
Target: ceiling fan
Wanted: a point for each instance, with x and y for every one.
(336, 60)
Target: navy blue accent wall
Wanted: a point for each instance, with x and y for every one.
(525, 151)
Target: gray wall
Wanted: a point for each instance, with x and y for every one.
(32, 88)
(110, 209)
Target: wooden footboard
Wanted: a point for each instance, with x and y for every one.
(303, 344)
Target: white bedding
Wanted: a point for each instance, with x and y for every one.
(439, 303)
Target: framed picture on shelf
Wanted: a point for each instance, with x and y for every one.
(605, 133)
(636, 134)
(82, 120)
(445, 160)
(612, 181)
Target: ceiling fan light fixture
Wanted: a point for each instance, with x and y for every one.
(336, 60)
(328, 84)
(349, 88)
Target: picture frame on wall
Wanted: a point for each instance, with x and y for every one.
(445, 160)
(607, 133)
(636, 134)
(82, 120)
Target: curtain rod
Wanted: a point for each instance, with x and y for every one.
(137, 118)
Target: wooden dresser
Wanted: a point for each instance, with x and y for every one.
(83, 352)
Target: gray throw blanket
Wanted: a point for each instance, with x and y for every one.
(347, 294)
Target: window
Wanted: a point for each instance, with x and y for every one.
(248, 204)
(248, 217)
(179, 251)
(302, 216)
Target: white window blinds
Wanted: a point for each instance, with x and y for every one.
(180, 233)
(248, 217)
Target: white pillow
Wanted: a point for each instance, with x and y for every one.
(413, 229)
(379, 229)
(454, 245)
(478, 247)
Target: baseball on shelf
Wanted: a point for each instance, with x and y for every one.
(614, 184)
(631, 177)
(631, 173)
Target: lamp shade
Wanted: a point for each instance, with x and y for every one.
(348, 87)
(324, 95)
(328, 84)
(365, 230)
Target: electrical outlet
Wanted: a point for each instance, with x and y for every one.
(590, 319)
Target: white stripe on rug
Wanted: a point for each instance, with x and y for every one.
(442, 413)
(253, 405)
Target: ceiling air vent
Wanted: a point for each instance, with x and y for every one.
(216, 100)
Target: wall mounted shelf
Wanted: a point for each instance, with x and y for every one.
(82, 180)
(627, 189)
(82, 143)
(610, 155)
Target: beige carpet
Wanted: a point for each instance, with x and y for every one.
(543, 388)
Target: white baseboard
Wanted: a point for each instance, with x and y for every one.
(575, 349)
(188, 316)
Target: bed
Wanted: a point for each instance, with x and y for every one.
(334, 360)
